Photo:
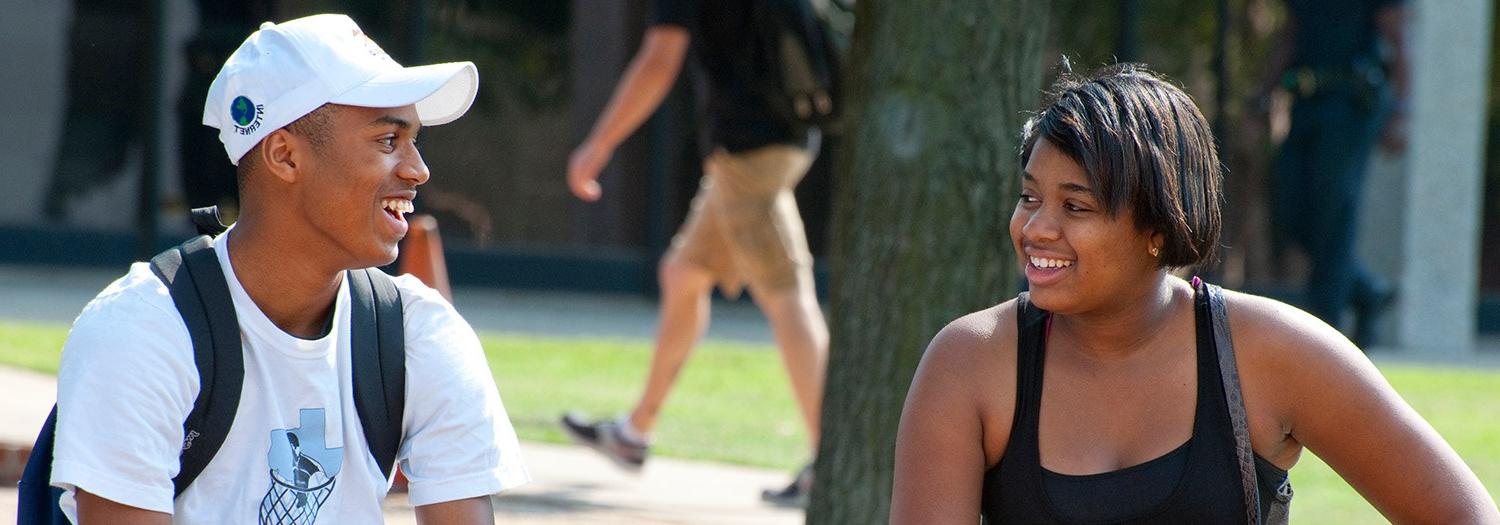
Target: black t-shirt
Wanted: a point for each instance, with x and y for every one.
(1336, 33)
(737, 119)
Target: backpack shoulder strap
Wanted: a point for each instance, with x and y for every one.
(1229, 374)
(36, 498)
(378, 349)
(192, 273)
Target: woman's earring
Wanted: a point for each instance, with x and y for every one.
(1155, 252)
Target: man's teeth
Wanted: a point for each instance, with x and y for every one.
(1042, 262)
(400, 206)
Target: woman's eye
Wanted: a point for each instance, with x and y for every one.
(1028, 199)
(1074, 207)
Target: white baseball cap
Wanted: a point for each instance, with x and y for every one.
(287, 70)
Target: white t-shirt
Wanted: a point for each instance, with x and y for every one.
(127, 381)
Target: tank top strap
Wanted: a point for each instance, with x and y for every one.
(1211, 398)
(1031, 325)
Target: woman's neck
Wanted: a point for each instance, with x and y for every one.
(1128, 325)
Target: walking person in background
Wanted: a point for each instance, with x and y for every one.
(1116, 392)
(1344, 64)
(743, 230)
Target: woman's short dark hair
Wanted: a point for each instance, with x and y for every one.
(1143, 143)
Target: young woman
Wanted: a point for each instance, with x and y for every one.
(1115, 392)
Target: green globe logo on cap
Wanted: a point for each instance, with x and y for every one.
(242, 111)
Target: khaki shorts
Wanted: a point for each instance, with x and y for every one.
(743, 226)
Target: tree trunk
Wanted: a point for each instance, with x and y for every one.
(924, 192)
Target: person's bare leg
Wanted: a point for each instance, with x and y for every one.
(801, 334)
(684, 316)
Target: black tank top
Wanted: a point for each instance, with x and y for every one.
(1197, 483)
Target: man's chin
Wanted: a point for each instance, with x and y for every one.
(377, 258)
(389, 257)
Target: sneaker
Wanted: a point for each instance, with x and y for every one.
(795, 494)
(606, 438)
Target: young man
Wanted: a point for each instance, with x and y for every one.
(744, 227)
(322, 126)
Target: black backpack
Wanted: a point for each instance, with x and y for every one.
(797, 66)
(191, 271)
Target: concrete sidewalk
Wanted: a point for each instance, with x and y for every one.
(569, 484)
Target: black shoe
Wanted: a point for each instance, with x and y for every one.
(795, 494)
(606, 438)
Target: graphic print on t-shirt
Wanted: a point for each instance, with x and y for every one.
(303, 471)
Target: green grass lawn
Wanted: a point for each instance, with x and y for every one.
(733, 404)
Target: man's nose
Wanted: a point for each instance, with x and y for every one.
(414, 169)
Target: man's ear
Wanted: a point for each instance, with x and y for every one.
(279, 152)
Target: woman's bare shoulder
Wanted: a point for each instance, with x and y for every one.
(1267, 326)
(1285, 354)
(970, 369)
(985, 334)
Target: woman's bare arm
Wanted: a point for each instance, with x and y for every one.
(941, 445)
(1338, 405)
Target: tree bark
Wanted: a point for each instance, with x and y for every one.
(924, 191)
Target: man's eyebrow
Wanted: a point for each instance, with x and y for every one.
(391, 120)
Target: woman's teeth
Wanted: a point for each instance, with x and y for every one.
(1043, 262)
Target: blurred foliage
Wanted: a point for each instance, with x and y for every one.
(1177, 38)
(1174, 35)
(1181, 39)
(521, 46)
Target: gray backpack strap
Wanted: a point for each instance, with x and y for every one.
(1223, 342)
(378, 349)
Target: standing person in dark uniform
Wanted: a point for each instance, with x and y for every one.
(1115, 392)
(1344, 62)
(744, 228)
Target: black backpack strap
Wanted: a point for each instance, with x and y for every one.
(36, 502)
(378, 349)
(1229, 373)
(192, 273)
(207, 221)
